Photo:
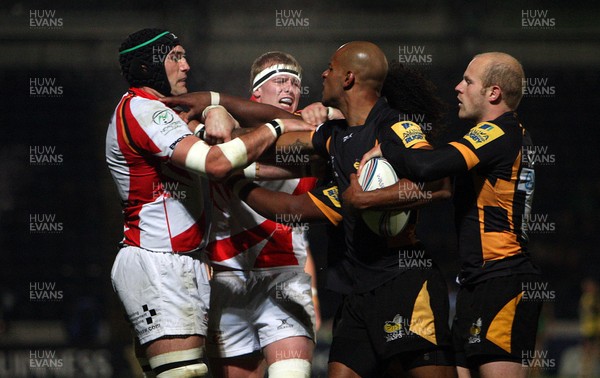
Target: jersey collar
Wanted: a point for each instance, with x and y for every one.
(377, 111)
(142, 93)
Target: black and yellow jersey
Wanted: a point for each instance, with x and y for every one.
(374, 259)
(492, 195)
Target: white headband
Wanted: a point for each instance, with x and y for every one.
(276, 70)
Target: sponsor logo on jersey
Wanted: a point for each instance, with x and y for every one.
(151, 312)
(409, 132)
(483, 134)
(163, 117)
(332, 194)
(144, 321)
(172, 146)
(284, 324)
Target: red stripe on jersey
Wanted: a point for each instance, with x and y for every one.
(225, 249)
(143, 176)
(138, 135)
(306, 184)
(278, 251)
(191, 236)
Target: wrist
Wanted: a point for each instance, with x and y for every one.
(329, 113)
(208, 109)
(276, 126)
(251, 171)
(215, 98)
(200, 130)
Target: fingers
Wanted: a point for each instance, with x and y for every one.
(315, 113)
(174, 101)
(185, 118)
(195, 102)
(219, 125)
(350, 195)
(374, 152)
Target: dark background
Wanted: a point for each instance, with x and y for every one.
(79, 53)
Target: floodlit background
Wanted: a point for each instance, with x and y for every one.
(59, 211)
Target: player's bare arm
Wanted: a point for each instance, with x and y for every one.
(217, 162)
(272, 205)
(404, 195)
(298, 141)
(248, 113)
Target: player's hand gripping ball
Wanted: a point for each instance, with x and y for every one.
(377, 173)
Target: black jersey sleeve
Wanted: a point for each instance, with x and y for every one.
(321, 138)
(423, 165)
(482, 145)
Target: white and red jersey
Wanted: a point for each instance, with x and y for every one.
(162, 205)
(240, 238)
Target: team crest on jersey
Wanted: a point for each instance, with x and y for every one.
(475, 332)
(409, 132)
(396, 328)
(332, 194)
(483, 134)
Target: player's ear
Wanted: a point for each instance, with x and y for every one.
(349, 80)
(257, 93)
(495, 93)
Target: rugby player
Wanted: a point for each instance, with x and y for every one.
(495, 326)
(159, 273)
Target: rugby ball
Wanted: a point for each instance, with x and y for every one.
(377, 173)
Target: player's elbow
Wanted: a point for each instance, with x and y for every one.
(422, 172)
(441, 189)
(444, 194)
(303, 209)
(218, 167)
(293, 207)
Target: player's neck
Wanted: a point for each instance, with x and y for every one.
(152, 91)
(494, 113)
(358, 109)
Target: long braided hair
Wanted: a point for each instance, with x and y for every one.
(411, 93)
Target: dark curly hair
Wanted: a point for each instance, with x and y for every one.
(411, 93)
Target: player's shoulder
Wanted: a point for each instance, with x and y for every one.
(498, 131)
(382, 114)
(152, 111)
(142, 103)
(328, 127)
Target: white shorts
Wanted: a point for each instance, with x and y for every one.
(164, 294)
(251, 309)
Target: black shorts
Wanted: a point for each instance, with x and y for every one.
(496, 320)
(406, 318)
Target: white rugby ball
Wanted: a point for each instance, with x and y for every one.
(377, 173)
